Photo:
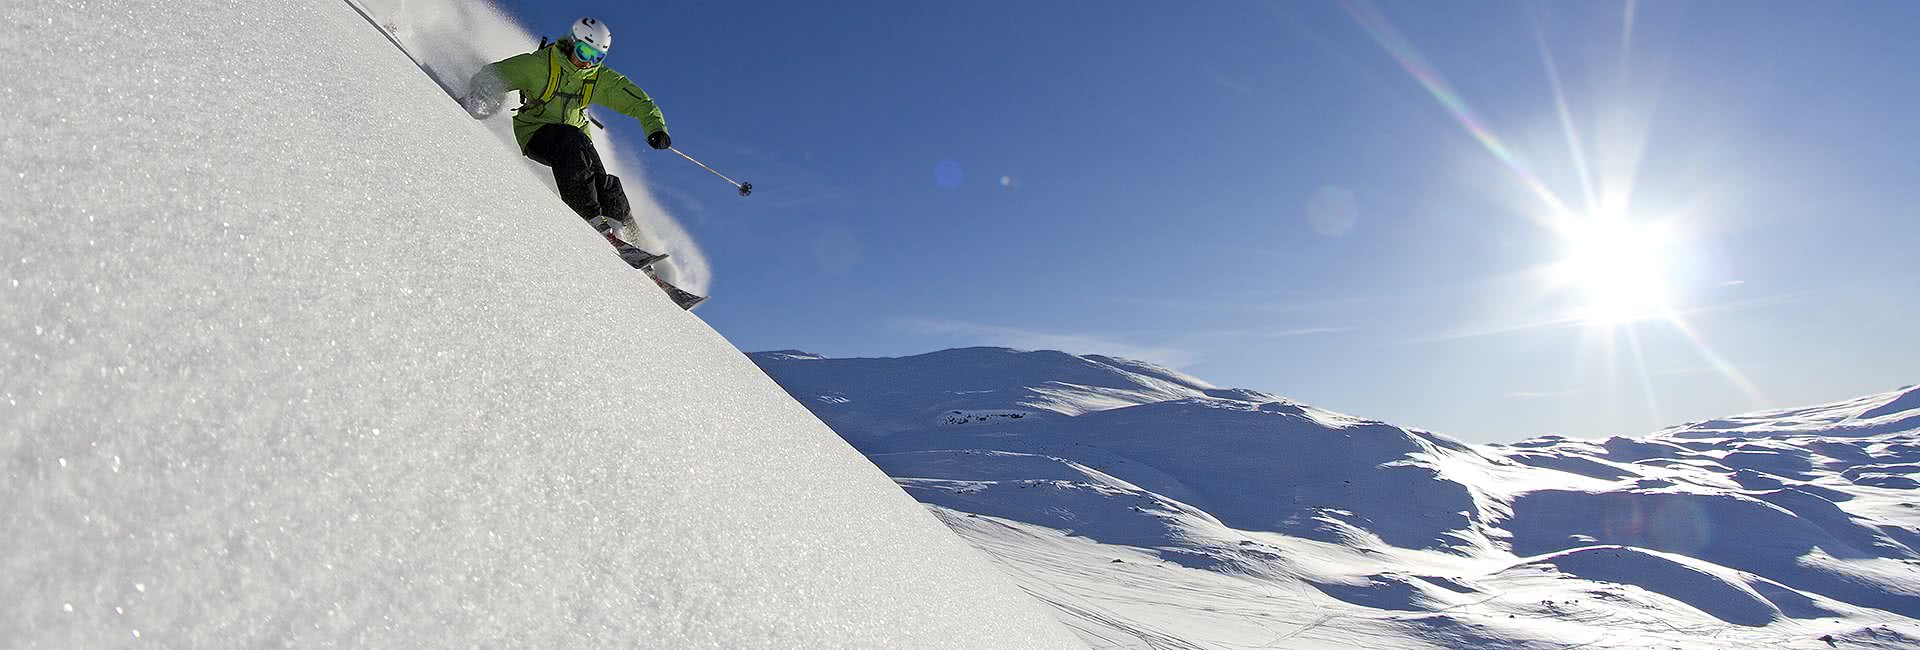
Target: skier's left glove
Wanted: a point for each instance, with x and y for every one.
(659, 140)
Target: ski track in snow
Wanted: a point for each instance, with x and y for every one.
(1153, 510)
(293, 353)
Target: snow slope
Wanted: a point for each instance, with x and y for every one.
(1154, 510)
(292, 353)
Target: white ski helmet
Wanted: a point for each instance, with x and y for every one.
(593, 32)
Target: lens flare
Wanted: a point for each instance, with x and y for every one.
(1403, 52)
(948, 174)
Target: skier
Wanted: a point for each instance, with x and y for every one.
(556, 83)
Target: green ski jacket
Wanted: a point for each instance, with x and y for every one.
(554, 91)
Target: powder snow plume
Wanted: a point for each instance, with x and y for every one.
(452, 39)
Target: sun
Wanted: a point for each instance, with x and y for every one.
(1619, 267)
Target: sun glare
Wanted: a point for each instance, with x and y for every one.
(1619, 267)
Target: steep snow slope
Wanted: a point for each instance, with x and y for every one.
(292, 353)
(1164, 512)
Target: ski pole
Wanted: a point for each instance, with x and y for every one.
(745, 188)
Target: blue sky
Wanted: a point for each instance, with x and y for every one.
(1362, 205)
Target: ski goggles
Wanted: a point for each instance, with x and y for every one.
(587, 53)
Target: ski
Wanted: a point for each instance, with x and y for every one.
(633, 255)
(640, 259)
(685, 299)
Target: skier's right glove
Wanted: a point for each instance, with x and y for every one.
(484, 93)
(481, 105)
(659, 140)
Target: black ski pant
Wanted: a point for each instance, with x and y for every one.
(583, 181)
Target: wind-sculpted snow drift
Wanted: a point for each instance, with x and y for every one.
(1152, 509)
(292, 353)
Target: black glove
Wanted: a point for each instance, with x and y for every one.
(659, 140)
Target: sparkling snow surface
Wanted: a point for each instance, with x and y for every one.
(292, 353)
(1153, 510)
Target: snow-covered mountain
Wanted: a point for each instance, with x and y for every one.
(1155, 510)
(294, 353)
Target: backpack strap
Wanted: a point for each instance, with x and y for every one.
(553, 76)
(586, 92)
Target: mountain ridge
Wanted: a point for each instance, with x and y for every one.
(1247, 492)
